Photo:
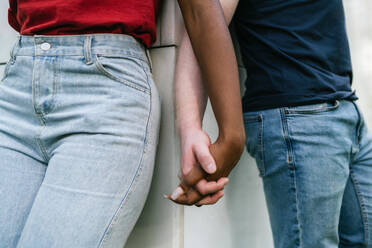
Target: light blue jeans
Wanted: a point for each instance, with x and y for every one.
(79, 121)
(316, 164)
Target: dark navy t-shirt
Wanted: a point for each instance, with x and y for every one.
(296, 52)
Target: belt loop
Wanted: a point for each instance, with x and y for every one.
(12, 50)
(88, 50)
(149, 58)
(360, 122)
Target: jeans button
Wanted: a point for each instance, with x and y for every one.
(45, 46)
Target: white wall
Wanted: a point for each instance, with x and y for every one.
(359, 27)
(240, 218)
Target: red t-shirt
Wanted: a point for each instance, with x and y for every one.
(64, 17)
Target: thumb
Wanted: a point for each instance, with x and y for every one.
(187, 161)
(205, 158)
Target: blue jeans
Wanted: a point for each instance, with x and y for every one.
(316, 165)
(79, 121)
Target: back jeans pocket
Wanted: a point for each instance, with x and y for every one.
(253, 124)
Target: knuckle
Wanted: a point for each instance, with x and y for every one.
(184, 174)
(204, 157)
(202, 190)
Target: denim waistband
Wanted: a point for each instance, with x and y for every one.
(79, 45)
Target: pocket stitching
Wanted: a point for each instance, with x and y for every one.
(6, 70)
(260, 144)
(313, 111)
(252, 118)
(103, 70)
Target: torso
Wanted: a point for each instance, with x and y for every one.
(295, 51)
(64, 17)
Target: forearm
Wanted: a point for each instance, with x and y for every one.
(190, 95)
(212, 45)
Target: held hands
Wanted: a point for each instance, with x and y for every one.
(205, 167)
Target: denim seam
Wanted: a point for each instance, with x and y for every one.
(261, 144)
(107, 232)
(6, 69)
(33, 88)
(11, 60)
(362, 207)
(147, 76)
(359, 124)
(13, 49)
(292, 169)
(56, 78)
(39, 116)
(260, 141)
(41, 147)
(57, 82)
(82, 55)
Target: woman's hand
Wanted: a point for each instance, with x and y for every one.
(211, 42)
(192, 189)
(195, 155)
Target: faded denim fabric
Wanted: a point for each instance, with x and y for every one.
(316, 165)
(79, 121)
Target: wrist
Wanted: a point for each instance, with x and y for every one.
(186, 129)
(234, 137)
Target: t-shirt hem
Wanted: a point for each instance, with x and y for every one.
(290, 100)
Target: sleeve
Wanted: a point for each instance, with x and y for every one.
(12, 15)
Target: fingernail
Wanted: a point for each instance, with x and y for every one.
(165, 196)
(177, 193)
(211, 167)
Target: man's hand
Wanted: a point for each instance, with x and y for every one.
(195, 156)
(226, 153)
(195, 149)
(206, 23)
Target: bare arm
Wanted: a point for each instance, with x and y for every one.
(223, 85)
(190, 94)
(211, 42)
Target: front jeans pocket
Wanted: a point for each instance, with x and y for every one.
(316, 108)
(126, 70)
(253, 124)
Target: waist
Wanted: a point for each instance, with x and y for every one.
(115, 45)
